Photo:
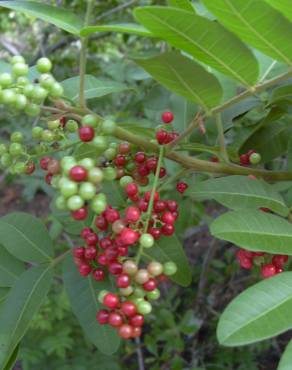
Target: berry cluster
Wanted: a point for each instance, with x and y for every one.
(251, 157)
(270, 265)
(166, 136)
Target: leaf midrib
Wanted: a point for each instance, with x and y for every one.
(243, 81)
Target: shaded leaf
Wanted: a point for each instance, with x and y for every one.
(22, 303)
(25, 237)
(11, 362)
(254, 230)
(94, 88)
(62, 18)
(171, 249)
(130, 28)
(260, 312)
(185, 77)
(282, 93)
(10, 268)
(202, 38)
(286, 359)
(239, 192)
(270, 35)
(3, 295)
(104, 337)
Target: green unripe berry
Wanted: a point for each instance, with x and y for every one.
(52, 125)
(108, 127)
(55, 181)
(46, 81)
(6, 160)
(114, 145)
(153, 295)
(95, 175)
(125, 180)
(22, 81)
(67, 163)
(17, 59)
(87, 163)
(139, 293)
(146, 240)
(71, 126)
(15, 149)
(32, 110)
(87, 190)
(48, 136)
(28, 90)
(20, 102)
(144, 308)
(19, 168)
(89, 120)
(8, 96)
(255, 158)
(110, 153)
(169, 268)
(56, 90)
(68, 188)
(16, 137)
(75, 202)
(39, 94)
(126, 291)
(5, 79)
(109, 173)
(136, 300)
(98, 205)
(44, 65)
(101, 295)
(36, 132)
(100, 143)
(3, 149)
(20, 69)
(60, 203)
(41, 148)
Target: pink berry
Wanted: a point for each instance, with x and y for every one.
(268, 270)
(132, 214)
(129, 236)
(111, 300)
(115, 319)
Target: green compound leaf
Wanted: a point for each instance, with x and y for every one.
(256, 23)
(82, 292)
(185, 77)
(25, 237)
(254, 230)
(205, 40)
(260, 312)
(239, 192)
(62, 18)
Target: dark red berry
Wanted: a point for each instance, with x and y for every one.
(105, 243)
(140, 157)
(124, 148)
(155, 232)
(168, 218)
(147, 196)
(268, 270)
(44, 162)
(161, 136)
(279, 260)
(244, 159)
(123, 281)
(132, 214)
(167, 117)
(84, 269)
(160, 206)
(48, 178)
(172, 205)
(101, 223)
(137, 320)
(78, 252)
(78, 173)
(80, 214)
(86, 133)
(111, 215)
(142, 205)
(181, 187)
(115, 319)
(91, 239)
(150, 285)
(111, 300)
(129, 308)
(85, 232)
(63, 121)
(30, 168)
(167, 229)
(90, 253)
(120, 160)
(115, 268)
(151, 164)
(162, 172)
(98, 275)
(132, 189)
(129, 236)
(102, 317)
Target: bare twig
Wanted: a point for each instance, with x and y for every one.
(116, 10)
(139, 354)
(9, 47)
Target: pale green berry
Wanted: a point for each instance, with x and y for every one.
(44, 65)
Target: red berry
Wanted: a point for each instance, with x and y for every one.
(80, 214)
(63, 121)
(129, 236)
(111, 254)
(84, 269)
(86, 133)
(137, 331)
(132, 189)
(48, 178)
(115, 268)
(111, 300)
(279, 270)
(162, 172)
(137, 320)
(98, 275)
(78, 252)
(279, 260)
(85, 232)
(167, 229)
(155, 232)
(44, 162)
(101, 223)
(214, 159)
(30, 168)
(91, 239)
(123, 251)
(159, 206)
(151, 164)
(90, 253)
(161, 136)
(140, 157)
(102, 317)
(142, 205)
(120, 160)
(115, 319)
(78, 173)
(168, 218)
(111, 215)
(167, 117)
(147, 196)
(244, 159)
(268, 270)
(102, 260)
(143, 171)
(181, 187)
(129, 308)
(150, 285)
(105, 243)
(124, 148)
(132, 214)
(125, 331)
(172, 205)
(123, 281)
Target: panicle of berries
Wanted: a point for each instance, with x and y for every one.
(269, 265)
